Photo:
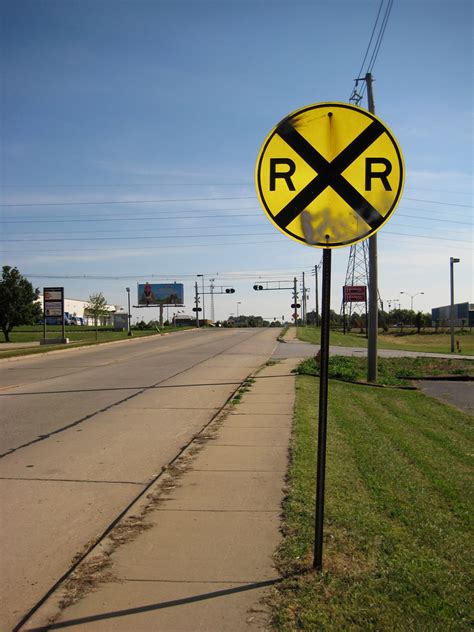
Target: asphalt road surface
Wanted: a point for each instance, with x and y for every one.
(84, 432)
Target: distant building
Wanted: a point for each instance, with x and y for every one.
(463, 315)
(75, 308)
(182, 320)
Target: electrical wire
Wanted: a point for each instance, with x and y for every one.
(222, 244)
(161, 201)
(359, 74)
(245, 224)
(357, 97)
(89, 217)
(41, 204)
(188, 184)
(378, 43)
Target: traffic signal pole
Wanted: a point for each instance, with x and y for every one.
(373, 281)
(196, 302)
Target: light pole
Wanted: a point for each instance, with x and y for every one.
(238, 303)
(452, 261)
(412, 296)
(203, 308)
(129, 323)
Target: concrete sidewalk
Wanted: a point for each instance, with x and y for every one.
(197, 553)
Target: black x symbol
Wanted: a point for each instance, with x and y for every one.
(329, 174)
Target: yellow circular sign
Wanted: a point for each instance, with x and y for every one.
(329, 175)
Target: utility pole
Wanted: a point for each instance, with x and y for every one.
(295, 300)
(373, 282)
(316, 293)
(212, 299)
(203, 308)
(196, 303)
(303, 303)
(452, 261)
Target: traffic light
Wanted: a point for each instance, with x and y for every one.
(295, 305)
(229, 290)
(258, 287)
(197, 309)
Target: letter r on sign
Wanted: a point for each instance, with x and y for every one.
(286, 175)
(383, 175)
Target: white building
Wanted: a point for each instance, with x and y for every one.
(76, 307)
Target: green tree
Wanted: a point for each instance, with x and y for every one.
(17, 301)
(96, 309)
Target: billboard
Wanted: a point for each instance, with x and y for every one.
(354, 293)
(150, 294)
(53, 301)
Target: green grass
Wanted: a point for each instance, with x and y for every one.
(426, 342)
(391, 371)
(78, 336)
(398, 515)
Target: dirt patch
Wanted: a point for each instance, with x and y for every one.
(85, 579)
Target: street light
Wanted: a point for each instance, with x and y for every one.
(452, 261)
(238, 303)
(129, 323)
(412, 296)
(203, 308)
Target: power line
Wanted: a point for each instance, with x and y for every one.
(371, 38)
(141, 237)
(116, 218)
(220, 276)
(125, 184)
(378, 43)
(140, 248)
(214, 245)
(161, 201)
(436, 202)
(89, 217)
(172, 200)
(246, 224)
(185, 184)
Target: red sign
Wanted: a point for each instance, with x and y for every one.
(354, 293)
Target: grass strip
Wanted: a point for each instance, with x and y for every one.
(429, 342)
(397, 550)
(391, 371)
(79, 337)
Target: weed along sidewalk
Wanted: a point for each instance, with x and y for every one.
(198, 552)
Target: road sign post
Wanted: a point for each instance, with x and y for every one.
(323, 412)
(328, 175)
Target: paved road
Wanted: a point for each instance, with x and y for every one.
(84, 432)
(457, 393)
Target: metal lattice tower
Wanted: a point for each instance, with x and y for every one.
(357, 273)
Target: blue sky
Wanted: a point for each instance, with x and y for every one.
(147, 118)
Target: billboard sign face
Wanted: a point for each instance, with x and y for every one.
(355, 294)
(150, 294)
(53, 301)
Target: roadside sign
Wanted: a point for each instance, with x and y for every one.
(53, 309)
(53, 294)
(354, 293)
(329, 175)
(53, 301)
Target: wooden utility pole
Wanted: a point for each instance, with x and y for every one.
(373, 323)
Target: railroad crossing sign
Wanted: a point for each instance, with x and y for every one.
(329, 175)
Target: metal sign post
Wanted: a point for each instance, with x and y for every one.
(323, 411)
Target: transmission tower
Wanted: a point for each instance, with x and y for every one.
(357, 273)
